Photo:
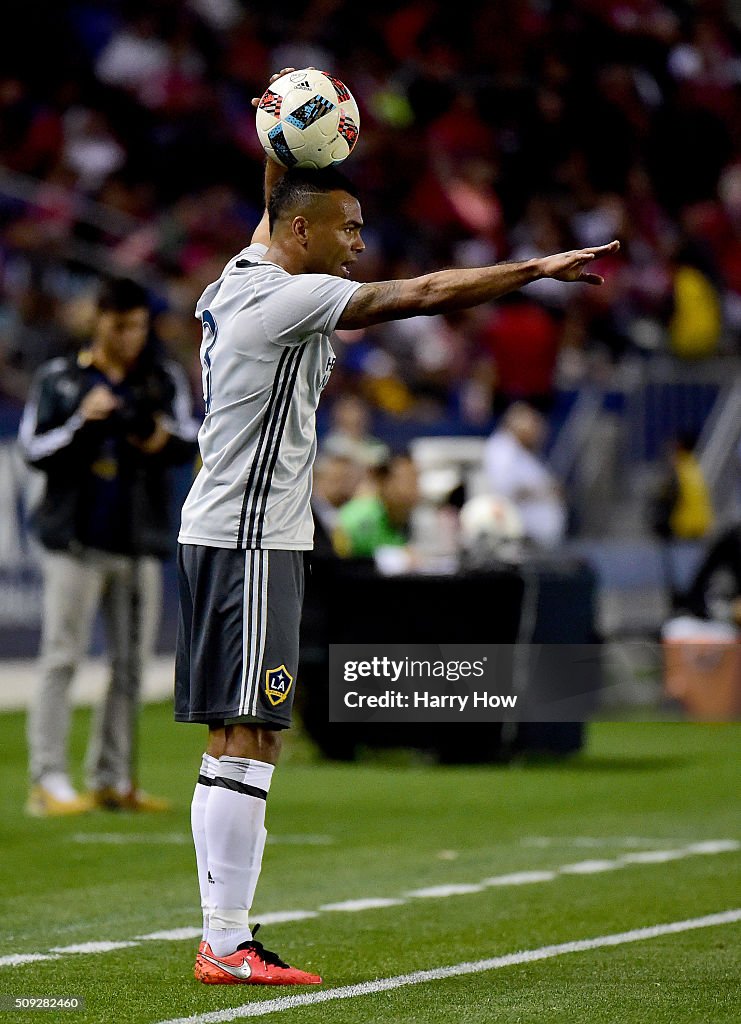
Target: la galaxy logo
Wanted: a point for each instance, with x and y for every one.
(278, 683)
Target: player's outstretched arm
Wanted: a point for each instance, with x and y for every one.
(273, 173)
(448, 290)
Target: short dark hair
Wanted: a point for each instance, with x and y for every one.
(298, 185)
(385, 468)
(121, 294)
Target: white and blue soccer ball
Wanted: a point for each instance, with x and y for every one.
(308, 119)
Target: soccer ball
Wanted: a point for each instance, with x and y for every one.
(490, 525)
(308, 119)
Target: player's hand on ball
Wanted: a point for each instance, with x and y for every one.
(571, 266)
(273, 78)
(307, 119)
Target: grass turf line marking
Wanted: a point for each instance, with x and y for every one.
(714, 846)
(353, 906)
(171, 935)
(131, 838)
(366, 988)
(653, 856)
(18, 959)
(706, 847)
(180, 934)
(591, 841)
(181, 839)
(93, 947)
(436, 892)
(521, 878)
(286, 916)
(590, 867)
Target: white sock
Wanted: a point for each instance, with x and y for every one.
(235, 840)
(58, 784)
(209, 767)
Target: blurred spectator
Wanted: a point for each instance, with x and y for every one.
(696, 323)
(434, 356)
(383, 519)
(522, 338)
(90, 149)
(514, 470)
(682, 508)
(335, 480)
(103, 426)
(30, 338)
(715, 591)
(133, 57)
(349, 433)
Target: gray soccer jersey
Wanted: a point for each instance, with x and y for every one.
(265, 356)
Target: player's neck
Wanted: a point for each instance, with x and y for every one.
(288, 258)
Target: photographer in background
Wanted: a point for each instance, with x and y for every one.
(103, 426)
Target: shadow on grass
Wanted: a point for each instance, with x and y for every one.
(589, 764)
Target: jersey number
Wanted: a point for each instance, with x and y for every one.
(210, 333)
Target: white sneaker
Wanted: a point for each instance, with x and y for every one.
(57, 785)
(47, 802)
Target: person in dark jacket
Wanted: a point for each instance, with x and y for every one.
(103, 426)
(715, 590)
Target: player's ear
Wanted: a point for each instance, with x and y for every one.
(300, 229)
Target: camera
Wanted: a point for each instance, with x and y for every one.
(136, 416)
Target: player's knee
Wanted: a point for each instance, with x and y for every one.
(216, 746)
(253, 741)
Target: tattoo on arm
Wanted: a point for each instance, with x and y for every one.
(376, 303)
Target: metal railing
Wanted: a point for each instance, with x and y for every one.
(718, 449)
(116, 224)
(46, 195)
(657, 400)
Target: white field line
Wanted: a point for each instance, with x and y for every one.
(19, 959)
(182, 839)
(705, 848)
(589, 842)
(92, 947)
(171, 935)
(653, 856)
(436, 892)
(367, 988)
(354, 906)
(521, 878)
(180, 934)
(594, 867)
(131, 838)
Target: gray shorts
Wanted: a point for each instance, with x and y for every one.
(238, 634)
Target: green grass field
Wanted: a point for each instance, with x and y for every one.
(378, 830)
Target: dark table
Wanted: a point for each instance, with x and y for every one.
(348, 601)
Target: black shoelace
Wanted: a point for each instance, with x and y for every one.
(266, 955)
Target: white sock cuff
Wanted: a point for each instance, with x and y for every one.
(246, 770)
(209, 766)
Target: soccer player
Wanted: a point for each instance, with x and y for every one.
(266, 356)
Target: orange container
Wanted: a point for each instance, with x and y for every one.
(705, 677)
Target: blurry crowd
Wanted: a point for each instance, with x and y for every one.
(489, 132)
(409, 511)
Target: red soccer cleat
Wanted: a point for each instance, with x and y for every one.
(249, 964)
(202, 947)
